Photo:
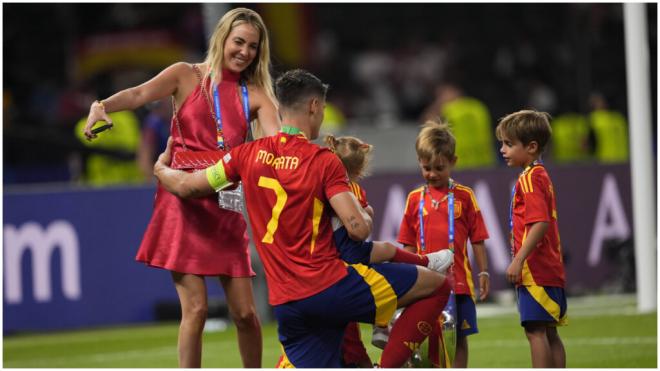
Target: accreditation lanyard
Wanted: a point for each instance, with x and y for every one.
(218, 114)
(513, 195)
(450, 213)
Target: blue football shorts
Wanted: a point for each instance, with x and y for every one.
(352, 252)
(466, 316)
(542, 304)
(311, 329)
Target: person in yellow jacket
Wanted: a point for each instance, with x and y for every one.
(570, 138)
(610, 131)
(105, 169)
(334, 120)
(470, 121)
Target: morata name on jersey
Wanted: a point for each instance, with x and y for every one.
(281, 162)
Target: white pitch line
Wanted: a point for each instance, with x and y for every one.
(645, 340)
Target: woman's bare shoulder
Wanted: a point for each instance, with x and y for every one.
(186, 69)
(187, 75)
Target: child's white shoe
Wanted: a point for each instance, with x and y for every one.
(440, 261)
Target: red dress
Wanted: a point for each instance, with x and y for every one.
(196, 236)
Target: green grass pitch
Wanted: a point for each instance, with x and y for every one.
(602, 332)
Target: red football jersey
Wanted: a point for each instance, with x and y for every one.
(468, 223)
(534, 201)
(287, 182)
(359, 193)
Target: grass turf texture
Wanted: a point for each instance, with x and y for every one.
(603, 332)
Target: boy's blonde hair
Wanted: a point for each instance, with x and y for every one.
(353, 153)
(526, 126)
(435, 139)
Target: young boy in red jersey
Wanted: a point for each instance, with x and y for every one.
(291, 187)
(355, 155)
(426, 228)
(537, 268)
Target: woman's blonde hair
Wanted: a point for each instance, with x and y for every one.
(353, 153)
(435, 139)
(256, 73)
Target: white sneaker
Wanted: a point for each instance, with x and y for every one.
(440, 261)
(379, 337)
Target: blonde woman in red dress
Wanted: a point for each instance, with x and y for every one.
(196, 238)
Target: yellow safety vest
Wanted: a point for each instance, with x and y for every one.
(611, 133)
(570, 138)
(125, 136)
(333, 119)
(470, 122)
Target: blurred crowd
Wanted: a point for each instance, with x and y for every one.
(388, 64)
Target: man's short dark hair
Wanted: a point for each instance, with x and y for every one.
(295, 86)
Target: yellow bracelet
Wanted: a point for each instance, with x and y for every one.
(100, 102)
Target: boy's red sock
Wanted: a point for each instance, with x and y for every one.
(404, 256)
(436, 345)
(352, 348)
(414, 325)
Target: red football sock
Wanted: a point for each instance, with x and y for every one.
(414, 325)
(436, 345)
(404, 256)
(352, 348)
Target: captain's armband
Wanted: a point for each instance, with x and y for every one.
(216, 176)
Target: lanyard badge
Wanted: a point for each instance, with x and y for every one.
(230, 200)
(218, 113)
(450, 216)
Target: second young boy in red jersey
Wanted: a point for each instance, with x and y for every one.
(537, 268)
